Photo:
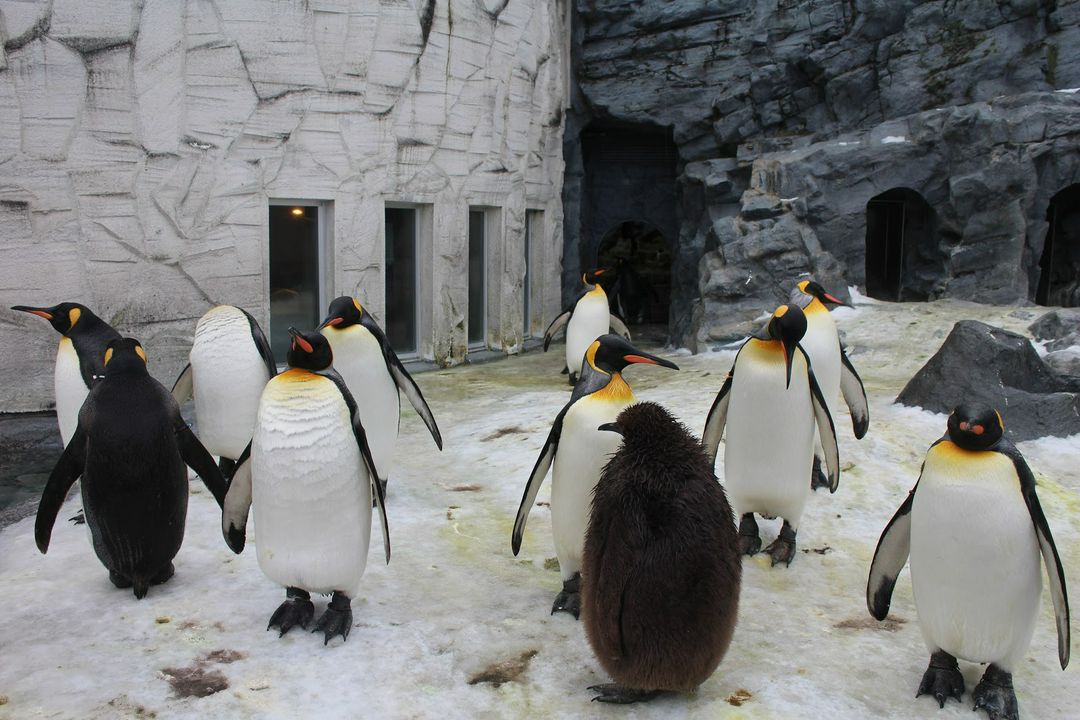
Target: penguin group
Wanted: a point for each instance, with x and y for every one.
(649, 541)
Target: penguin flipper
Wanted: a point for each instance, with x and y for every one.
(404, 380)
(261, 343)
(854, 395)
(184, 387)
(196, 457)
(68, 469)
(717, 418)
(536, 478)
(826, 430)
(1058, 592)
(556, 325)
(889, 559)
(618, 326)
(234, 513)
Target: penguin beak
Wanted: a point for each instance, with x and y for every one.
(649, 360)
(834, 300)
(298, 339)
(331, 322)
(789, 352)
(611, 427)
(40, 312)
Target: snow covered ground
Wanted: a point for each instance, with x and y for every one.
(457, 627)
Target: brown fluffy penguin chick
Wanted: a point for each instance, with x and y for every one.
(661, 567)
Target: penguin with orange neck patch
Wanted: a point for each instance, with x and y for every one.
(586, 319)
(974, 530)
(577, 450)
(770, 404)
(79, 358)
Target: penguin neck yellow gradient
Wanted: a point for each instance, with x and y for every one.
(597, 290)
(615, 391)
(815, 306)
(765, 347)
(296, 375)
(949, 451)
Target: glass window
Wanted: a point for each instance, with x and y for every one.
(294, 273)
(477, 279)
(401, 285)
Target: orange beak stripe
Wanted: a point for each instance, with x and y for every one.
(304, 344)
(42, 313)
(335, 322)
(638, 359)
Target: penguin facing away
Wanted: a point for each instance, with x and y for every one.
(586, 319)
(661, 570)
(832, 368)
(974, 529)
(310, 476)
(371, 369)
(576, 451)
(130, 446)
(229, 365)
(79, 357)
(770, 404)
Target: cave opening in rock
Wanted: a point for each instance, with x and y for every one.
(641, 257)
(903, 257)
(1059, 268)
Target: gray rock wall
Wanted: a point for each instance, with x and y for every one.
(140, 142)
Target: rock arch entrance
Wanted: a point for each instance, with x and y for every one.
(903, 257)
(641, 255)
(1059, 268)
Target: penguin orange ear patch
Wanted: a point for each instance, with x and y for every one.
(357, 304)
(73, 316)
(140, 352)
(108, 355)
(781, 311)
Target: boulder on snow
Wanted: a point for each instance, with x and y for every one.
(1060, 327)
(981, 363)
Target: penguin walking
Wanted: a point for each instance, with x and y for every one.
(586, 319)
(578, 451)
(309, 475)
(974, 529)
(79, 358)
(372, 370)
(130, 446)
(229, 365)
(770, 404)
(661, 569)
(832, 368)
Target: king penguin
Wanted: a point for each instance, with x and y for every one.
(79, 358)
(586, 319)
(770, 404)
(832, 368)
(974, 529)
(130, 445)
(229, 365)
(372, 370)
(309, 475)
(578, 451)
(661, 570)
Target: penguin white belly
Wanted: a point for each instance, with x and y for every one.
(770, 435)
(69, 387)
(311, 494)
(583, 451)
(228, 377)
(822, 343)
(590, 320)
(360, 360)
(975, 569)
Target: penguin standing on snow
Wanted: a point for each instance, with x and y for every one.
(371, 370)
(130, 446)
(974, 529)
(230, 364)
(579, 451)
(834, 372)
(586, 319)
(770, 404)
(310, 476)
(661, 570)
(79, 358)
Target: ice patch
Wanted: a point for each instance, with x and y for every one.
(890, 139)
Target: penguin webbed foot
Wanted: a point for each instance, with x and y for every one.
(995, 695)
(942, 679)
(569, 598)
(620, 695)
(296, 610)
(749, 540)
(782, 549)
(817, 476)
(337, 620)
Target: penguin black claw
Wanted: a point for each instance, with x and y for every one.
(569, 598)
(782, 549)
(942, 679)
(619, 695)
(296, 610)
(995, 695)
(337, 620)
(749, 541)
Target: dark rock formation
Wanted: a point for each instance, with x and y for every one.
(982, 363)
(1060, 327)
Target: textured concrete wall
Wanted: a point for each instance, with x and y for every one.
(140, 142)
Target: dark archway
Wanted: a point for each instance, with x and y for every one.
(641, 254)
(904, 260)
(1059, 268)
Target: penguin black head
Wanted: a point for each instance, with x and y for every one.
(343, 312)
(611, 353)
(976, 427)
(125, 355)
(309, 351)
(787, 325)
(811, 288)
(592, 277)
(63, 317)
